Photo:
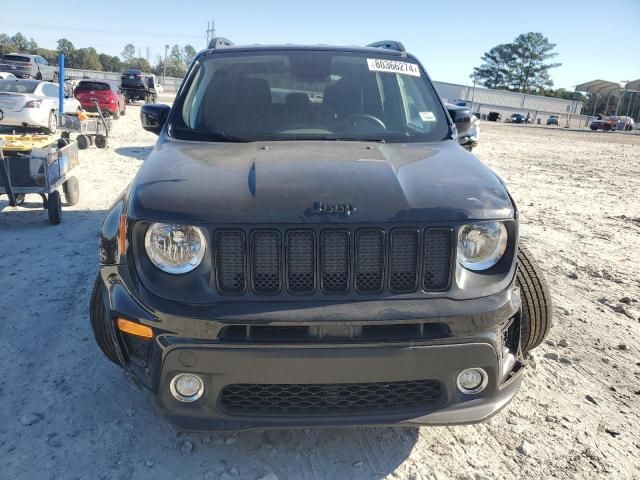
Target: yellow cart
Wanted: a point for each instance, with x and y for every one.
(36, 163)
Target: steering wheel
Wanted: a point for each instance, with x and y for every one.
(356, 120)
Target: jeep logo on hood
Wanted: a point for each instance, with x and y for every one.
(344, 209)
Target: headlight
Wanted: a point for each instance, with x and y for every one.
(481, 245)
(175, 248)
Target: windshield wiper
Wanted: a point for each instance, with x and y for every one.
(338, 138)
(208, 135)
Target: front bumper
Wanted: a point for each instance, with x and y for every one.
(475, 337)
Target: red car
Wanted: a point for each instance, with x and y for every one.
(106, 92)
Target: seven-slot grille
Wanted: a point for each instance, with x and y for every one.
(333, 261)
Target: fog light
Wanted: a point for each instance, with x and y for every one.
(472, 380)
(187, 387)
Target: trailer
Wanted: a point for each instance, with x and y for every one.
(92, 130)
(37, 163)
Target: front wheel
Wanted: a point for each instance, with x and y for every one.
(52, 123)
(71, 189)
(100, 141)
(536, 312)
(83, 142)
(54, 208)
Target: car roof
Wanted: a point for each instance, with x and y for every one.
(309, 48)
(22, 80)
(98, 80)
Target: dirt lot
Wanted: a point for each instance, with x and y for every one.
(67, 413)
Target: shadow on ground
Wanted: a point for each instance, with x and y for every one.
(79, 416)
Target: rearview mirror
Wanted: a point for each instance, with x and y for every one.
(153, 117)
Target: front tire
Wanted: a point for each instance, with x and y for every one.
(54, 208)
(71, 189)
(100, 141)
(101, 331)
(536, 313)
(52, 124)
(83, 142)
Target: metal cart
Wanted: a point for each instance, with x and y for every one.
(94, 130)
(39, 164)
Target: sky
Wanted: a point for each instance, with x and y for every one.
(595, 39)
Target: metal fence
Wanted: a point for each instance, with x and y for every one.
(170, 84)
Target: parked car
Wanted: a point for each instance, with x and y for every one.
(624, 123)
(467, 124)
(517, 118)
(32, 104)
(28, 66)
(6, 75)
(553, 120)
(494, 117)
(137, 85)
(281, 263)
(604, 123)
(108, 94)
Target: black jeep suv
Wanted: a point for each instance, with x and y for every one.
(307, 244)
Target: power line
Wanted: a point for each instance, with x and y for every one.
(40, 26)
(211, 31)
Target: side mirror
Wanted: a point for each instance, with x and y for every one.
(153, 117)
(461, 117)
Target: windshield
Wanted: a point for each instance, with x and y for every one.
(306, 95)
(17, 58)
(92, 86)
(18, 86)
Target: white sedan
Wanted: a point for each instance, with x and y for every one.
(32, 104)
(5, 75)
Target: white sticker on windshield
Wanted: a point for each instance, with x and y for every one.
(427, 116)
(393, 66)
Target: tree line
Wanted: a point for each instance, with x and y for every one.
(525, 65)
(177, 60)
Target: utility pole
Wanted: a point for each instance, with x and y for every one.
(473, 92)
(211, 31)
(164, 66)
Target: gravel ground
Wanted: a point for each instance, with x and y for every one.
(67, 413)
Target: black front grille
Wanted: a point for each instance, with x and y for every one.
(301, 262)
(266, 261)
(334, 252)
(369, 260)
(230, 261)
(403, 261)
(437, 259)
(333, 261)
(337, 398)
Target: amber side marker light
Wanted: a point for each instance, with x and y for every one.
(122, 235)
(134, 328)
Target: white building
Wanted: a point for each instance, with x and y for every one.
(485, 100)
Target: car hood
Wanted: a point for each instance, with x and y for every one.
(280, 182)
